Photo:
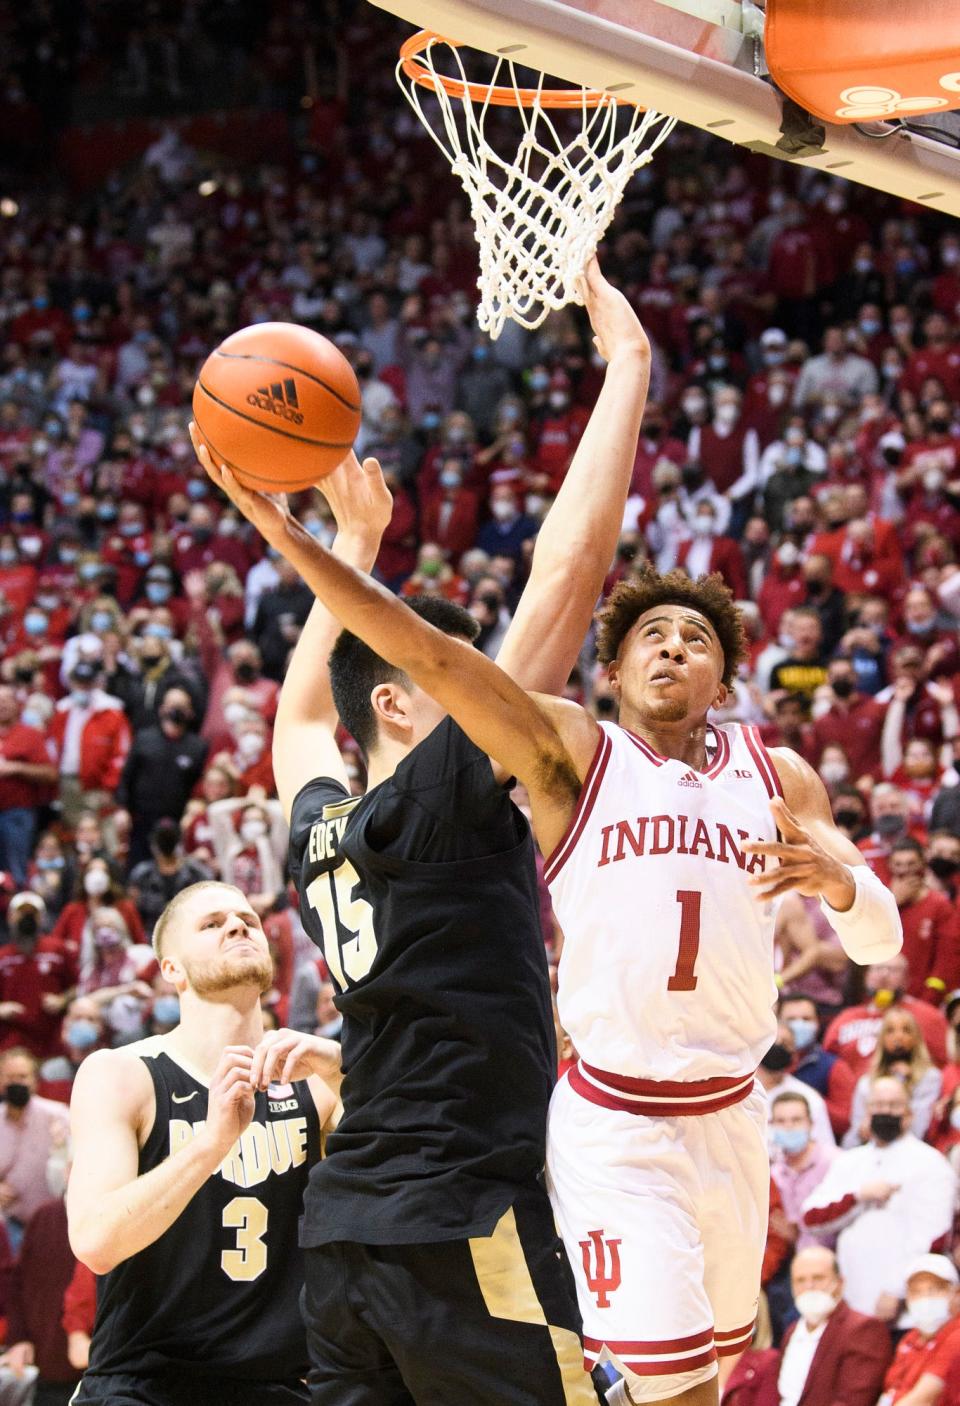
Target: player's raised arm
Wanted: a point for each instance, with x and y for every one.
(304, 735)
(815, 859)
(583, 525)
(112, 1212)
(517, 731)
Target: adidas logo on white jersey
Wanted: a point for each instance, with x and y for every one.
(690, 779)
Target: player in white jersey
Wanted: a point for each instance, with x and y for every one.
(664, 863)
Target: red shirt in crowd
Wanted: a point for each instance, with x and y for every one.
(26, 976)
(68, 928)
(21, 743)
(931, 945)
(39, 1281)
(853, 1034)
(856, 728)
(916, 1356)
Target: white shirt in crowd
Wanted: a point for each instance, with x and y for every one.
(797, 1360)
(875, 1244)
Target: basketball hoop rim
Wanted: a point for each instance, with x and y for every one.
(490, 93)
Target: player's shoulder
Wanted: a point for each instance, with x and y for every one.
(117, 1074)
(322, 798)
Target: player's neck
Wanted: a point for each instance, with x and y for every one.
(384, 759)
(684, 741)
(208, 1025)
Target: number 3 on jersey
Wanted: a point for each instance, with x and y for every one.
(349, 941)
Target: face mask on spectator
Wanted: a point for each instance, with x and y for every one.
(431, 569)
(82, 1035)
(889, 825)
(81, 696)
(18, 1095)
(777, 393)
(100, 621)
(250, 746)
(245, 670)
(158, 592)
(804, 1032)
(929, 1315)
(108, 939)
(166, 1010)
(815, 1305)
(89, 570)
(235, 713)
(886, 1127)
(252, 830)
(503, 509)
(848, 819)
(177, 717)
(726, 415)
(777, 1058)
(450, 479)
(869, 326)
(833, 773)
(35, 624)
(703, 525)
(791, 1140)
(28, 925)
(943, 867)
(7, 556)
(534, 505)
(788, 554)
(96, 882)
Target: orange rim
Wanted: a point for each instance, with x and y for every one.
(491, 93)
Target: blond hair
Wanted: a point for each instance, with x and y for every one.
(920, 1060)
(168, 917)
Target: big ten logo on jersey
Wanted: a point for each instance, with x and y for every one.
(280, 1099)
(263, 1150)
(677, 834)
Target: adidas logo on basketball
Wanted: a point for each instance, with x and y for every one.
(689, 779)
(279, 398)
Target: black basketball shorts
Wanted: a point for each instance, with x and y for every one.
(491, 1321)
(184, 1388)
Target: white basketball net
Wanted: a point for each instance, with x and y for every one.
(540, 214)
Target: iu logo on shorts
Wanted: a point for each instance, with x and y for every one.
(601, 1265)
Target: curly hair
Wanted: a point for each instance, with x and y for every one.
(708, 594)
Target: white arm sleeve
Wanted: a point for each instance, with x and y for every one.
(870, 930)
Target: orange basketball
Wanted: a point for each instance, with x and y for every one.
(279, 405)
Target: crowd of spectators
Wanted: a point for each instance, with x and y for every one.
(802, 438)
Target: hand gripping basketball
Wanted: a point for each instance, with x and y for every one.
(804, 866)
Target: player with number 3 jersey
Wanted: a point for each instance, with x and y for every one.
(191, 1153)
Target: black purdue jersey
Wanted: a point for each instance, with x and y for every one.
(422, 896)
(218, 1293)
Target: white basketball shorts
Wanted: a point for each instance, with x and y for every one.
(664, 1220)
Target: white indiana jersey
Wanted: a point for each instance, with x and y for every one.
(667, 965)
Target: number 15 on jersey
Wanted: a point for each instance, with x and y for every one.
(349, 941)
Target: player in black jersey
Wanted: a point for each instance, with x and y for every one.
(187, 1182)
(434, 1272)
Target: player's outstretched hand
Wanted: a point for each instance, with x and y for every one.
(616, 327)
(268, 512)
(231, 1102)
(284, 1056)
(804, 865)
(362, 503)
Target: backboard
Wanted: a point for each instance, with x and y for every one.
(701, 61)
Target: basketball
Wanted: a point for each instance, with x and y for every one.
(279, 405)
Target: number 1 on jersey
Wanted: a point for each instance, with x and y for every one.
(683, 978)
